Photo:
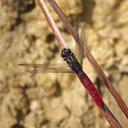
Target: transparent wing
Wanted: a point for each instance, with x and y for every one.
(83, 32)
(79, 53)
(52, 68)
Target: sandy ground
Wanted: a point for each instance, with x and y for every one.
(50, 100)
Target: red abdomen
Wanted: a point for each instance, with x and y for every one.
(87, 83)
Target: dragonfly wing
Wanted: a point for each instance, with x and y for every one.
(51, 68)
(79, 54)
(79, 51)
(83, 35)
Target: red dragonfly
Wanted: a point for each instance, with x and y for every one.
(74, 64)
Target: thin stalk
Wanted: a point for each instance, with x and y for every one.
(102, 107)
(92, 60)
(52, 24)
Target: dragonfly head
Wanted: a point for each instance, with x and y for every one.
(65, 53)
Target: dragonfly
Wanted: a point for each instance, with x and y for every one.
(75, 63)
(76, 67)
(60, 67)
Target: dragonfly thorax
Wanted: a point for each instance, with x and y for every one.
(70, 58)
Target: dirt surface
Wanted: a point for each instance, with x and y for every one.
(50, 100)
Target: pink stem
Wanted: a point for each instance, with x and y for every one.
(52, 24)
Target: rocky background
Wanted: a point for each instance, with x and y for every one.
(50, 100)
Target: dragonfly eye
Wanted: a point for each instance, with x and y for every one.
(65, 52)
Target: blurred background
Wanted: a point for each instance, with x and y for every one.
(50, 100)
